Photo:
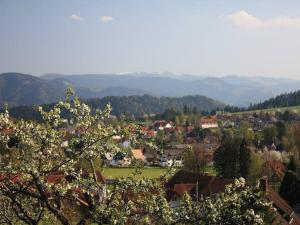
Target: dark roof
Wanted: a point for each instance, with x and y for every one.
(184, 180)
(180, 189)
(53, 178)
(281, 204)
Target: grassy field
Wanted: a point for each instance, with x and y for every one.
(295, 109)
(148, 172)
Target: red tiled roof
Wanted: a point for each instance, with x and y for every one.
(276, 166)
(208, 120)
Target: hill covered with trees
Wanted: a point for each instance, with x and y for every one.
(136, 106)
(21, 89)
(282, 100)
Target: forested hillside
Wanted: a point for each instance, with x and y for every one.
(21, 89)
(283, 100)
(134, 105)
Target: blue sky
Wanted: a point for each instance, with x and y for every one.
(205, 37)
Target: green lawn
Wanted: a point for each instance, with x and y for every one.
(148, 172)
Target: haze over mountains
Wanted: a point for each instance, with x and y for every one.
(20, 89)
(233, 90)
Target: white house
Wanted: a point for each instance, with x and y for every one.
(208, 122)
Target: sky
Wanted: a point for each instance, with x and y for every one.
(201, 37)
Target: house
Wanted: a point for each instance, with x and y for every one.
(286, 214)
(121, 162)
(126, 143)
(197, 185)
(159, 124)
(55, 177)
(120, 159)
(151, 133)
(107, 158)
(168, 127)
(173, 153)
(171, 162)
(150, 157)
(208, 122)
(165, 162)
(163, 125)
(126, 161)
(117, 138)
(138, 154)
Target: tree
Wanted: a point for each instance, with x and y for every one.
(40, 179)
(246, 132)
(290, 187)
(74, 196)
(39, 155)
(195, 159)
(255, 168)
(227, 157)
(281, 129)
(233, 158)
(176, 138)
(270, 135)
(292, 166)
(236, 206)
(244, 159)
(160, 138)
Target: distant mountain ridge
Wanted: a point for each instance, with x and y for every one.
(22, 92)
(21, 89)
(234, 90)
(18, 89)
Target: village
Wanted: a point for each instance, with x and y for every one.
(173, 141)
(190, 148)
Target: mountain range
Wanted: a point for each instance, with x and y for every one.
(21, 89)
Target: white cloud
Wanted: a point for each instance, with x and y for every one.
(76, 17)
(246, 20)
(106, 19)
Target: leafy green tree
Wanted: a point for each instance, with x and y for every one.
(281, 129)
(227, 157)
(195, 160)
(290, 187)
(27, 196)
(244, 159)
(232, 159)
(236, 206)
(160, 139)
(270, 135)
(292, 166)
(78, 195)
(176, 138)
(255, 168)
